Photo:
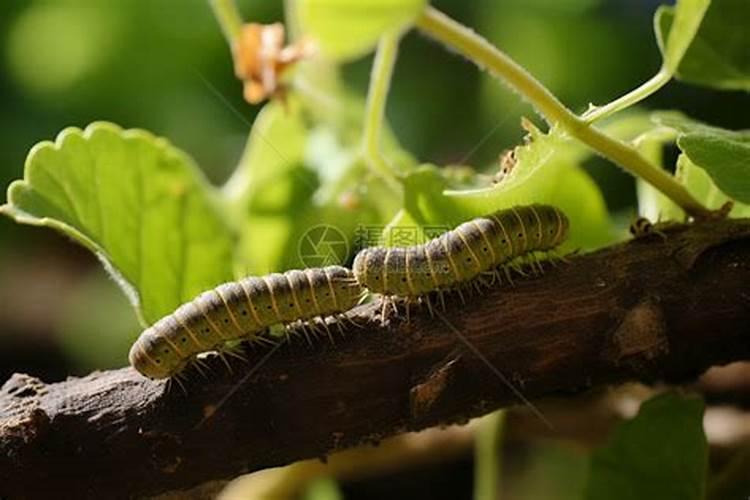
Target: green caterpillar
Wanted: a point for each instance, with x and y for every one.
(239, 310)
(458, 256)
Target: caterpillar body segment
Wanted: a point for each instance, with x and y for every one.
(463, 254)
(241, 310)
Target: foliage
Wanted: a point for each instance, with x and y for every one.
(661, 453)
(165, 233)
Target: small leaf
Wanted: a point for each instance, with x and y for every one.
(661, 453)
(140, 204)
(347, 29)
(548, 170)
(719, 55)
(723, 154)
(686, 19)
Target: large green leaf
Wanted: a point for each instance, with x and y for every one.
(719, 54)
(723, 154)
(661, 453)
(347, 29)
(547, 170)
(654, 204)
(138, 203)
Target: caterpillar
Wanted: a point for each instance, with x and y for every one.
(642, 228)
(241, 310)
(458, 256)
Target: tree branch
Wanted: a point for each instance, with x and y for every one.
(647, 310)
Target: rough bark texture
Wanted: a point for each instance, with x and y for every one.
(647, 310)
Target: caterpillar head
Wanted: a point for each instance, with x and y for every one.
(360, 268)
(154, 357)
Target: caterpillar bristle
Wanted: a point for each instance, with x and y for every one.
(200, 366)
(176, 380)
(236, 353)
(224, 359)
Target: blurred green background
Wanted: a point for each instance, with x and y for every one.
(164, 66)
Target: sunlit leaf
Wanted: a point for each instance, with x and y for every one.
(661, 453)
(546, 172)
(140, 204)
(719, 55)
(347, 29)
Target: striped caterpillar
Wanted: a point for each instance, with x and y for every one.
(458, 256)
(241, 310)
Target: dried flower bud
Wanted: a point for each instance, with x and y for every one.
(260, 58)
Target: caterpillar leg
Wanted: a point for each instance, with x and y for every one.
(327, 329)
(348, 320)
(516, 266)
(441, 295)
(235, 352)
(488, 278)
(263, 339)
(301, 326)
(176, 380)
(199, 366)
(426, 300)
(535, 264)
(388, 302)
(461, 295)
(224, 360)
(551, 257)
(506, 271)
(339, 327)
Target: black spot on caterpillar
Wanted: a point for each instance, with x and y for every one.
(462, 254)
(241, 310)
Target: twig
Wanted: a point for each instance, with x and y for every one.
(648, 310)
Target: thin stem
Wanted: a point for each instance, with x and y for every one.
(634, 96)
(453, 34)
(488, 456)
(485, 55)
(631, 160)
(380, 82)
(229, 18)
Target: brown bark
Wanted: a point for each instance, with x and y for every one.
(647, 310)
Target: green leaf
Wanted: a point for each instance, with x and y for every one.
(704, 189)
(686, 19)
(140, 204)
(296, 183)
(719, 55)
(723, 154)
(547, 171)
(661, 453)
(347, 29)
